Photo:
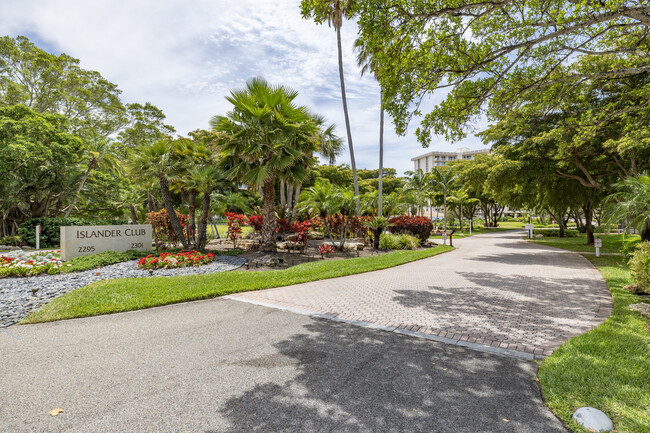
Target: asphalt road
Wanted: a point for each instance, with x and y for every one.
(226, 366)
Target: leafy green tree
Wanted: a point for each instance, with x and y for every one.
(144, 125)
(333, 11)
(37, 156)
(492, 56)
(56, 84)
(261, 143)
(629, 204)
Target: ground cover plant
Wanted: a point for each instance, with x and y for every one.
(19, 264)
(112, 296)
(607, 367)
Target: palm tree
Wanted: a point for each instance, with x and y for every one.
(629, 204)
(367, 64)
(316, 199)
(100, 154)
(259, 143)
(156, 160)
(329, 145)
(442, 180)
(418, 182)
(205, 179)
(461, 199)
(333, 11)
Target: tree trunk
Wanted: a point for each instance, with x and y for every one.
(192, 208)
(91, 167)
(645, 233)
(134, 215)
(460, 216)
(268, 219)
(283, 197)
(589, 227)
(203, 222)
(171, 212)
(347, 119)
(295, 202)
(381, 155)
(444, 193)
(150, 203)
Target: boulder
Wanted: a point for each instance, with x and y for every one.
(348, 246)
(270, 261)
(593, 419)
(539, 236)
(315, 235)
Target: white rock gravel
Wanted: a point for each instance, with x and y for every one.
(21, 295)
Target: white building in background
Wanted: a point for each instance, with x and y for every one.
(437, 158)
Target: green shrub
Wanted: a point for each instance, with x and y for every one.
(408, 242)
(106, 258)
(50, 234)
(14, 241)
(640, 265)
(555, 233)
(629, 246)
(398, 242)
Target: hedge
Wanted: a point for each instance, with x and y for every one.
(50, 234)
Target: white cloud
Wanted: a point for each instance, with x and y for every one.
(184, 57)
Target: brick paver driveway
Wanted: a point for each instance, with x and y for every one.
(494, 290)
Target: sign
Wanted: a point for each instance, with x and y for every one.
(598, 243)
(529, 226)
(84, 240)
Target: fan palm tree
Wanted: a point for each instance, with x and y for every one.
(629, 204)
(156, 160)
(367, 64)
(259, 143)
(100, 154)
(333, 11)
(205, 179)
(329, 145)
(442, 180)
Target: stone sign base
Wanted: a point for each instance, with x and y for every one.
(84, 240)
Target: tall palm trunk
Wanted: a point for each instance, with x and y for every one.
(381, 152)
(347, 119)
(134, 215)
(91, 167)
(203, 222)
(268, 216)
(191, 232)
(171, 213)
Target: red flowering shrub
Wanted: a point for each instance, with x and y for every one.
(325, 250)
(284, 226)
(301, 230)
(235, 224)
(255, 221)
(418, 226)
(175, 260)
(317, 223)
(162, 227)
(356, 226)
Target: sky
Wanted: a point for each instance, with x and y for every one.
(184, 60)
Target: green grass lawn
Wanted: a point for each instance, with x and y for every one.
(608, 367)
(476, 230)
(112, 296)
(611, 243)
(223, 229)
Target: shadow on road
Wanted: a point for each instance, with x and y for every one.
(352, 379)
